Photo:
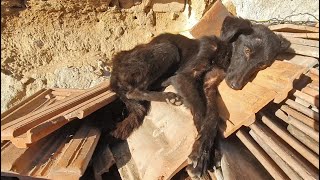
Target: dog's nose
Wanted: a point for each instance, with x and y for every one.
(235, 85)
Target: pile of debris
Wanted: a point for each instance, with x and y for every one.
(52, 134)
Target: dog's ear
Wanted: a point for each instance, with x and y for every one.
(284, 43)
(232, 27)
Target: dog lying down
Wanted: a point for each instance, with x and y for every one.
(194, 67)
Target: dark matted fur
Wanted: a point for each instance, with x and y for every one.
(194, 67)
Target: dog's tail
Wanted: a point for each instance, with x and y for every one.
(137, 110)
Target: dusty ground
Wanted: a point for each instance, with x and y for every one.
(70, 44)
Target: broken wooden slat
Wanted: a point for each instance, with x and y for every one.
(294, 143)
(275, 157)
(305, 42)
(302, 109)
(300, 35)
(25, 106)
(305, 139)
(301, 117)
(74, 160)
(23, 124)
(306, 97)
(304, 50)
(281, 150)
(293, 28)
(263, 158)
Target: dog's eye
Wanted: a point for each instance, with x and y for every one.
(247, 51)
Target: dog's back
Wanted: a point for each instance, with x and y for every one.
(142, 66)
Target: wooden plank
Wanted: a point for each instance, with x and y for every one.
(306, 97)
(314, 71)
(166, 143)
(294, 143)
(301, 117)
(237, 162)
(279, 77)
(305, 139)
(92, 106)
(75, 159)
(304, 50)
(23, 124)
(275, 157)
(300, 35)
(14, 108)
(215, 15)
(67, 92)
(227, 128)
(34, 161)
(293, 28)
(305, 42)
(263, 158)
(314, 86)
(45, 128)
(312, 92)
(304, 61)
(42, 159)
(286, 154)
(310, 113)
(304, 128)
(24, 107)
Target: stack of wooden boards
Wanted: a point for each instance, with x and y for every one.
(285, 139)
(35, 140)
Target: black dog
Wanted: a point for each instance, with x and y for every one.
(195, 68)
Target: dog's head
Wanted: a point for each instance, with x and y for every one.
(255, 47)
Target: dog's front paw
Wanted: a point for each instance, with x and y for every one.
(174, 99)
(199, 159)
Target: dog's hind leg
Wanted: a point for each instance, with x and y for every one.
(202, 148)
(137, 112)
